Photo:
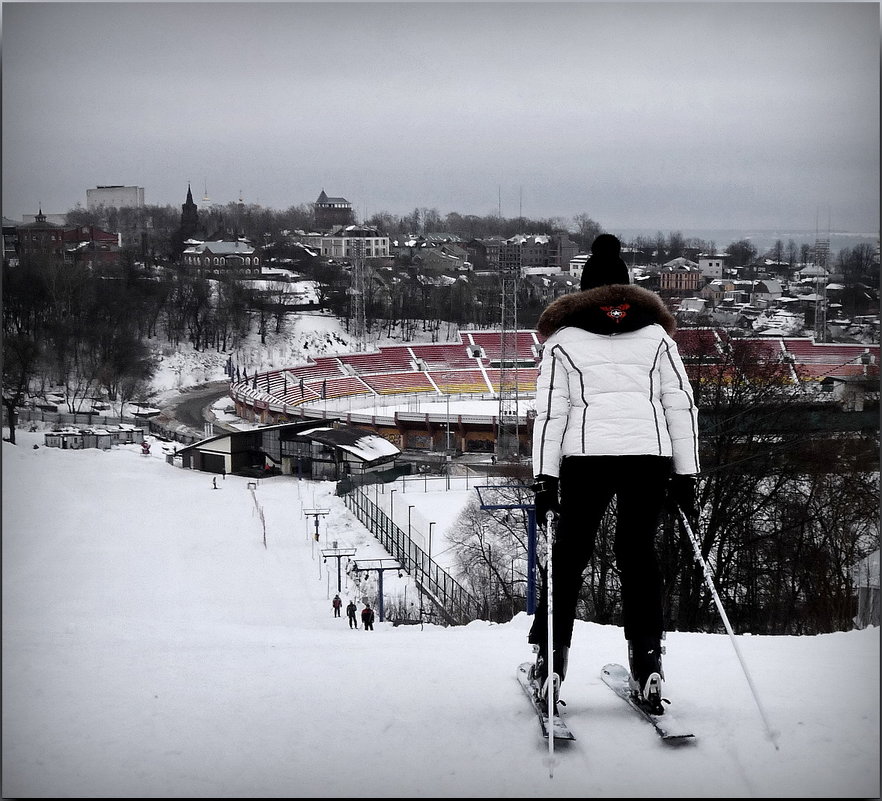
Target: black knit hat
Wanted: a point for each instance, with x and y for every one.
(604, 266)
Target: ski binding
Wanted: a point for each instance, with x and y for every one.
(667, 726)
(561, 731)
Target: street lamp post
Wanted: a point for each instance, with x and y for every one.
(430, 538)
(409, 510)
(448, 423)
(447, 379)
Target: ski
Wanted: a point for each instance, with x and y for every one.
(557, 724)
(666, 726)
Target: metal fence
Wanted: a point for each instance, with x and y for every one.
(455, 603)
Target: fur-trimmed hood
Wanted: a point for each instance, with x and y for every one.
(610, 309)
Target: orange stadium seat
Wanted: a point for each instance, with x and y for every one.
(396, 383)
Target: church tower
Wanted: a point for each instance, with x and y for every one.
(189, 217)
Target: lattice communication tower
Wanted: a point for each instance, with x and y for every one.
(358, 294)
(507, 444)
(821, 259)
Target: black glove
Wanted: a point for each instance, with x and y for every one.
(682, 494)
(546, 498)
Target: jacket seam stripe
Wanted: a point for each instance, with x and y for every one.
(652, 373)
(582, 391)
(692, 414)
(547, 412)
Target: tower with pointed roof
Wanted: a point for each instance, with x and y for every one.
(189, 217)
(332, 212)
(41, 238)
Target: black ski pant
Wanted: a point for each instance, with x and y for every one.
(587, 485)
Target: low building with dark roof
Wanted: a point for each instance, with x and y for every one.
(316, 449)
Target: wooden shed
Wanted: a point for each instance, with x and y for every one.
(97, 438)
(66, 438)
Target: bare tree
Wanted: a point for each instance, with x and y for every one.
(21, 354)
(587, 230)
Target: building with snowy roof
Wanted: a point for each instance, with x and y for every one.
(577, 265)
(439, 259)
(349, 241)
(680, 275)
(483, 253)
(712, 265)
(85, 244)
(102, 438)
(223, 257)
(333, 453)
(314, 449)
(539, 254)
(813, 272)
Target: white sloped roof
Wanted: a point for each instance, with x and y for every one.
(366, 446)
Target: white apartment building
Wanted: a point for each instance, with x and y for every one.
(344, 243)
(577, 264)
(711, 265)
(115, 196)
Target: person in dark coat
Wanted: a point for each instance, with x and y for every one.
(337, 604)
(350, 613)
(615, 417)
(367, 618)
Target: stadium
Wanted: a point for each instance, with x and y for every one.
(443, 398)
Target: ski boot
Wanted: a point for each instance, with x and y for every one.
(540, 672)
(647, 678)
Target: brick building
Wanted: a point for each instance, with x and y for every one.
(222, 258)
(332, 212)
(680, 275)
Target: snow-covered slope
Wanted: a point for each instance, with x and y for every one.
(303, 336)
(155, 646)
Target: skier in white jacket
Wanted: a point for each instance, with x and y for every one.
(615, 417)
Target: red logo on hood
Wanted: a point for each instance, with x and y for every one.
(617, 313)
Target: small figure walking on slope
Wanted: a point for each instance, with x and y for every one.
(337, 604)
(367, 617)
(350, 613)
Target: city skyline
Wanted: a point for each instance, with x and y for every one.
(677, 116)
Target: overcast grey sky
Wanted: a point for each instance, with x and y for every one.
(673, 116)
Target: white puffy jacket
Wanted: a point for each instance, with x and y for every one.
(612, 382)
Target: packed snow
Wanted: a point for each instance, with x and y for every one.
(304, 336)
(165, 639)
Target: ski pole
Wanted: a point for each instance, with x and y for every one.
(549, 682)
(696, 546)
